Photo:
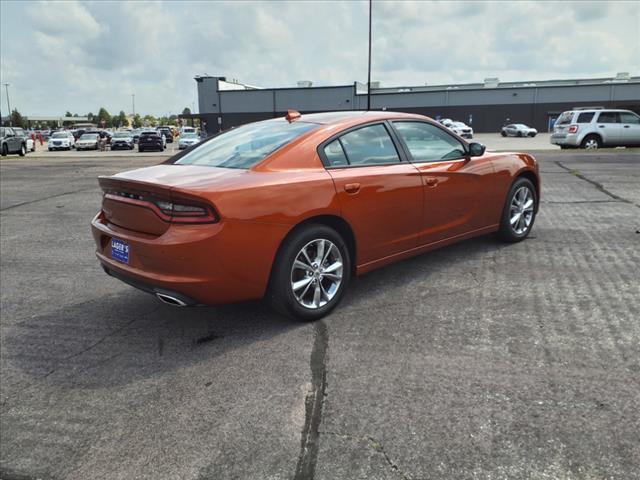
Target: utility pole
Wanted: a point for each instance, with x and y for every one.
(6, 87)
(133, 103)
(369, 67)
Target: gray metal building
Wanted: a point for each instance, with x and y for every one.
(485, 106)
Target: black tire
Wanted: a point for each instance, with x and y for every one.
(280, 293)
(140, 150)
(591, 140)
(23, 150)
(507, 232)
(503, 133)
(519, 134)
(5, 150)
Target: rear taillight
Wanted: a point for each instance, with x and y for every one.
(573, 128)
(175, 210)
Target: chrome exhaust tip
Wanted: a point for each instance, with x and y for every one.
(169, 300)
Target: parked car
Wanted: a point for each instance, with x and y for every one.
(596, 128)
(187, 140)
(167, 132)
(445, 121)
(88, 141)
(151, 140)
(289, 209)
(61, 140)
(122, 139)
(460, 128)
(31, 145)
(518, 130)
(11, 142)
(186, 129)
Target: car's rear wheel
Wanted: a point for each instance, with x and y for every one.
(519, 211)
(591, 142)
(5, 150)
(23, 150)
(310, 274)
(503, 133)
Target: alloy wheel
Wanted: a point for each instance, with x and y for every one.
(591, 144)
(521, 210)
(316, 273)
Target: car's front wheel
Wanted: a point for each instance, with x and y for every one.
(23, 150)
(519, 211)
(310, 274)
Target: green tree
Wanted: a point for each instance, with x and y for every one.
(187, 111)
(89, 117)
(103, 116)
(17, 120)
(150, 121)
(137, 121)
(122, 119)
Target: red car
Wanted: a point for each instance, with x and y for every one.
(291, 208)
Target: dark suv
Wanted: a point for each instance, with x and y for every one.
(168, 133)
(150, 140)
(11, 142)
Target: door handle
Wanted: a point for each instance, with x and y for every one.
(626, 126)
(432, 181)
(352, 188)
(600, 126)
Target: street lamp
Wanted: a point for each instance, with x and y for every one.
(133, 103)
(6, 87)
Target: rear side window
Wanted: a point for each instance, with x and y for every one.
(369, 145)
(246, 146)
(626, 117)
(428, 143)
(334, 154)
(585, 117)
(565, 118)
(608, 117)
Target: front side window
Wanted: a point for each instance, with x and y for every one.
(245, 146)
(630, 118)
(608, 117)
(428, 143)
(585, 117)
(370, 145)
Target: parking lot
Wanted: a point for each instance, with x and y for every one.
(478, 361)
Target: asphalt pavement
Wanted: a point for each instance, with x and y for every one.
(481, 360)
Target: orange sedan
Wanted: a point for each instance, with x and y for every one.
(291, 208)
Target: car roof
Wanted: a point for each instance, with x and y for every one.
(353, 117)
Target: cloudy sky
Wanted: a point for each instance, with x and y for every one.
(79, 56)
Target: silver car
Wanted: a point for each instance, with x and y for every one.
(518, 130)
(596, 128)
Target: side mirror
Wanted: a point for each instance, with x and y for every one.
(476, 149)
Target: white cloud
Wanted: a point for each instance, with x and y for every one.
(79, 56)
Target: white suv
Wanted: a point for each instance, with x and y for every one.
(595, 128)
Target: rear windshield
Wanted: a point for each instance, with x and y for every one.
(245, 146)
(89, 136)
(60, 135)
(564, 118)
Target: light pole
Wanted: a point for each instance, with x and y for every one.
(6, 88)
(133, 103)
(369, 66)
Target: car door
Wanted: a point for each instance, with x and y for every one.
(609, 127)
(630, 132)
(380, 193)
(454, 184)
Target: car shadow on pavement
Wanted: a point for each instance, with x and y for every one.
(122, 338)
(125, 337)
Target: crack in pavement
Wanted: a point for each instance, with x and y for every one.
(376, 445)
(47, 198)
(305, 469)
(598, 185)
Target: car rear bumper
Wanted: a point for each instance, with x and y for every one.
(206, 264)
(564, 139)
